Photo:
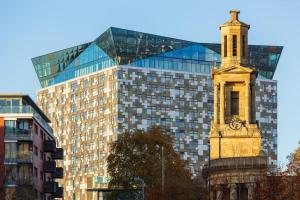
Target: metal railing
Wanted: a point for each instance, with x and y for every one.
(17, 134)
(26, 109)
(21, 157)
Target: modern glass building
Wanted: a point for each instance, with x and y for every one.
(127, 80)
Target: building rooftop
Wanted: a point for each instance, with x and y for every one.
(27, 106)
(118, 46)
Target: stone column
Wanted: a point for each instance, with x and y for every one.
(216, 112)
(233, 193)
(247, 101)
(222, 103)
(250, 187)
(219, 195)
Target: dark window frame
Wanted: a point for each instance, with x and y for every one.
(234, 45)
(225, 45)
(234, 103)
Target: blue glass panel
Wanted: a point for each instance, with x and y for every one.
(125, 47)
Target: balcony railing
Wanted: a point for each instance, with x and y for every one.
(49, 146)
(49, 166)
(26, 109)
(50, 187)
(21, 157)
(59, 193)
(10, 182)
(19, 181)
(58, 154)
(17, 134)
(59, 173)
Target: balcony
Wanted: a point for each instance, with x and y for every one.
(26, 109)
(59, 173)
(21, 157)
(49, 166)
(49, 146)
(58, 154)
(59, 193)
(17, 134)
(50, 187)
(24, 157)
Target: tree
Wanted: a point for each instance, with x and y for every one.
(143, 155)
(284, 184)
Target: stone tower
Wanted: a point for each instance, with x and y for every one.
(234, 132)
(236, 166)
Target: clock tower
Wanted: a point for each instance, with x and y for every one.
(234, 130)
(236, 167)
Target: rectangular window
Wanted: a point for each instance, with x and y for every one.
(35, 150)
(10, 174)
(36, 129)
(35, 172)
(9, 127)
(243, 46)
(25, 173)
(41, 176)
(234, 45)
(225, 46)
(234, 103)
(10, 150)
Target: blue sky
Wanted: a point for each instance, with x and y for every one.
(33, 27)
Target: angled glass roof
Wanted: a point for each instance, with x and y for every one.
(125, 47)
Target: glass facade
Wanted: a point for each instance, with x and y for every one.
(125, 47)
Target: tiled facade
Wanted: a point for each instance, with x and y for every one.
(182, 104)
(84, 114)
(88, 112)
(29, 165)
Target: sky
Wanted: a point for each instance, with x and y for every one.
(35, 27)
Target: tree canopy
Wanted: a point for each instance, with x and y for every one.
(142, 155)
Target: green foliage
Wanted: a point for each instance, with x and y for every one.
(139, 154)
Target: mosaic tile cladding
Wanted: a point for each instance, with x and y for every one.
(94, 91)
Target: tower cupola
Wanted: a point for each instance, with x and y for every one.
(234, 41)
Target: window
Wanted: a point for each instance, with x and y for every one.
(234, 45)
(10, 174)
(243, 46)
(225, 46)
(25, 173)
(35, 172)
(41, 134)
(10, 150)
(151, 77)
(41, 175)
(234, 103)
(36, 129)
(9, 126)
(73, 86)
(35, 150)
